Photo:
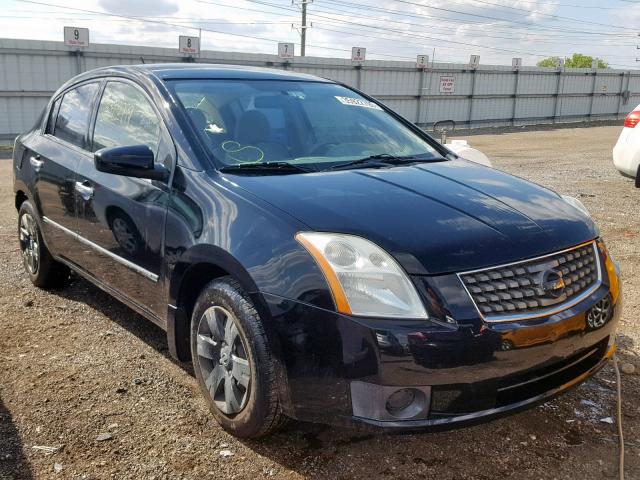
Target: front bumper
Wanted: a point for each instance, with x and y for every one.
(468, 370)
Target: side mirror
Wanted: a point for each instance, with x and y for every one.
(130, 161)
(638, 178)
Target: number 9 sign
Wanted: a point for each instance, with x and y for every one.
(76, 37)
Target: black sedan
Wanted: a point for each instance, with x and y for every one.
(314, 254)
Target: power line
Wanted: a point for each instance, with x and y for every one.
(519, 23)
(408, 2)
(447, 31)
(401, 32)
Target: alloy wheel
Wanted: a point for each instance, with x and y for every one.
(29, 243)
(223, 360)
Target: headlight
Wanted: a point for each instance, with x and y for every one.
(364, 279)
(574, 202)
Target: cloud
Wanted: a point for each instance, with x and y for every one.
(139, 7)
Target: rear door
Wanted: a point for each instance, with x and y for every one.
(53, 158)
(121, 219)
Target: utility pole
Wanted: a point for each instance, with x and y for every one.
(303, 26)
(303, 34)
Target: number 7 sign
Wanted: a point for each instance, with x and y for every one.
(358, 54)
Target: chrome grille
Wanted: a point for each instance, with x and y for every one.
(536, 287)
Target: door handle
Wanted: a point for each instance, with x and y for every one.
(36, 162)
(85, 190)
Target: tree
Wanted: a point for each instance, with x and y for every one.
(578, 60)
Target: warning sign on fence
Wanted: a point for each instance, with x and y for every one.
(447, 84)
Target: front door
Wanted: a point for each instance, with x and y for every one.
(121, 219)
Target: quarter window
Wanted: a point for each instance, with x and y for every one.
(51, 121)
(125, 117)
(73, 118)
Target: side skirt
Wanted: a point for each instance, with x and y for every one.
(114, 293)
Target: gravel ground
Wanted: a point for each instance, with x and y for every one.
(83, 374)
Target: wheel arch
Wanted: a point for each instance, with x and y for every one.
(194, 269)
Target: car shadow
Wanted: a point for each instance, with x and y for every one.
(13, 463)
(81, 290)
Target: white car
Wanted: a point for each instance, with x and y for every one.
(464, 150)
(626, 153)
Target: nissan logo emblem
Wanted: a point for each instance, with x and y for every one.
(553, 283)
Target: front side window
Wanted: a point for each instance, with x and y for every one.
(311, 124)
(72, 121)
(125, 117)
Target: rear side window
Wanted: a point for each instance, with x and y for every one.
(125, 117)
(72, 121)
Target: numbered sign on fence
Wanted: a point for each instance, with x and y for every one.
(189, 45)
(285, 50)
(422, 61)
(516, 63)
(76, 37)
(358, 54)
(474, 61)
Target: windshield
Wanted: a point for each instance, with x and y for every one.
(311, 124)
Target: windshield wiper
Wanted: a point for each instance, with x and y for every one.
(280, 167)
(379, 160)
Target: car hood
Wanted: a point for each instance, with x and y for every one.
(435, 218)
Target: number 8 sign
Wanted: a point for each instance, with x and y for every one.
(189, 45)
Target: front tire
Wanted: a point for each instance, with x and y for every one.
(232, 361)
(42, 269)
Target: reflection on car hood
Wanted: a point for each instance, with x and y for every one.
(434, 217)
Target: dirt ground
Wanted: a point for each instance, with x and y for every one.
(76, 364)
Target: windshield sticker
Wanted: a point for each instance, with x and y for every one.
(358, 102)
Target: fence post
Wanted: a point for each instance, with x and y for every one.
(623, 89)
(78, 54)
(515, 98)
(593, 93)
(421, 72)
(473, 91)
(358, 77)
(555, 105)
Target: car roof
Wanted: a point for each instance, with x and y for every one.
(167, 71)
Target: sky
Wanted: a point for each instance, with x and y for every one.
(497, 30)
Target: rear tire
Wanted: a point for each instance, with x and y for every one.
(42, 269)
(233, 362)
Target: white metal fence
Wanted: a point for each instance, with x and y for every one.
(31, 70)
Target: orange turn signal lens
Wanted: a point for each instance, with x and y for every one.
(339, 297)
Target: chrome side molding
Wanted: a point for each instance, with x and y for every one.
(127, 263)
